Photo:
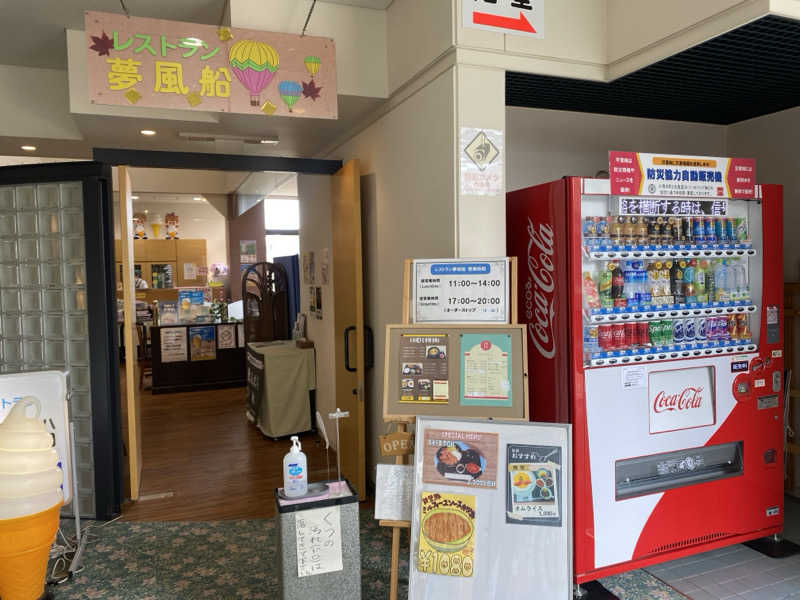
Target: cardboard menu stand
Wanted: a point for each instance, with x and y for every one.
(402, 422)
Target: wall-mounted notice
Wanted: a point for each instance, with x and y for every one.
(447, 534)
(173, 344)
(460, 290)
(423, 369)
(533, 493)
(203, 345)
(640, 174)
(393, 486)
(134, 61)
(513, 17)
(226, 336)
(486, 369)
(481, 163)
(189, 271)
(248, 253)
(319, 541)
(467, 458)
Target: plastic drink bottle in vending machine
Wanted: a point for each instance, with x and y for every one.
(689, 290)
(617, 284)
(590, 294)
(604, 288)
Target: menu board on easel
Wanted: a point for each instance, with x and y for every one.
(465, 370)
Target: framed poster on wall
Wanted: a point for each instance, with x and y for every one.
(461, 532)
(465, 370)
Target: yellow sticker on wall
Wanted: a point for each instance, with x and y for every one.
(447, 534)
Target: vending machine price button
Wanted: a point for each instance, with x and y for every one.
(759, 383)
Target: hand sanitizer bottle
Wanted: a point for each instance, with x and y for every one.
(295, 474)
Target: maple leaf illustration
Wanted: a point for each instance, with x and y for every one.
(310, 90)
(102, 45)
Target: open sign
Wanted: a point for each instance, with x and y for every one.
(399, 443)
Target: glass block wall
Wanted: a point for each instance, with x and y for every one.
(43, 302)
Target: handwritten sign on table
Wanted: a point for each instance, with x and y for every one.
(319, 541)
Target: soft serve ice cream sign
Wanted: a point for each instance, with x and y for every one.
(681, 399)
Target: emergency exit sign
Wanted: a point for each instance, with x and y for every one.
(517, 17)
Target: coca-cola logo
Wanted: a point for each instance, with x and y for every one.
(539, 288)
(689, 398)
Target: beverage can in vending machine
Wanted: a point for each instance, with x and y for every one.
(652, 231)
(618, 336)
(733, 330)
(723, 333)
(712, 329)
(627, 230)
(666, 232)
(719, 229)
(605, 337)
(589, 230)
(601, 227)
(697, 230)
(740, 229)
(591, 342)
(708, 230)
(743, 326)
(700, 328)
(630, 334)
(654, 331)
(677, 331)
(642, 333)
(689, 330)
(730, 232)
(666, 332)
(686, 230)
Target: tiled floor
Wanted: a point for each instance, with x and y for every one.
(737, 572)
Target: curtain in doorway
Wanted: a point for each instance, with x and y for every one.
(292, 266)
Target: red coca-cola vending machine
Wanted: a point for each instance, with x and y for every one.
(654, 309)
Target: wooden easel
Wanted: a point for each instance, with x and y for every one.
(403, 423)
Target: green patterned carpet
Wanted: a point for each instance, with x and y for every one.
(237, 559)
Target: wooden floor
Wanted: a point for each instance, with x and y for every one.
(199, 447)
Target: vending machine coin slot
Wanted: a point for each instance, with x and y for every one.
(776, 381)
(773, 328)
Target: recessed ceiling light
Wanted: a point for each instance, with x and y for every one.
(147, 132)
(272, 141)
(146, 211)
(134, 197)
(28, 148)
(198, 198)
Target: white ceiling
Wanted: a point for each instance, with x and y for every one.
(33, 30)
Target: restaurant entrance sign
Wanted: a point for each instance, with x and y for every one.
(144, 62)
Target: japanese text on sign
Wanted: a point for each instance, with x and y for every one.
(634, 174)
(319, 541)
(135, 61)
(461, 290)
(664, 206)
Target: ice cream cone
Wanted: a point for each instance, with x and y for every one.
(24, 550)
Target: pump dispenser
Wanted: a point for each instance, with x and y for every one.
(295, 473)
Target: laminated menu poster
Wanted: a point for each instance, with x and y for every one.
(203, 343)
(533, 494)
(423, 369)
(467, 458)
(486, 369)
(167, 313)
(447, 534)
(173, 344)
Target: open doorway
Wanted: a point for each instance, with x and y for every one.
(198, 457)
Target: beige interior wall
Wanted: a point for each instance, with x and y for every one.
(314, 193)
(544, 145)
(417, 33)
(408, 209)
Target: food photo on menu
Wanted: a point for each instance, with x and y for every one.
(460, 458)
(423, 369)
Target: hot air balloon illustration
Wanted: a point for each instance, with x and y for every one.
(290, 92)
(254, 64)
(313, 64)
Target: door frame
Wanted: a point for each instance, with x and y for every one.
(157, 159)
(101, 305)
